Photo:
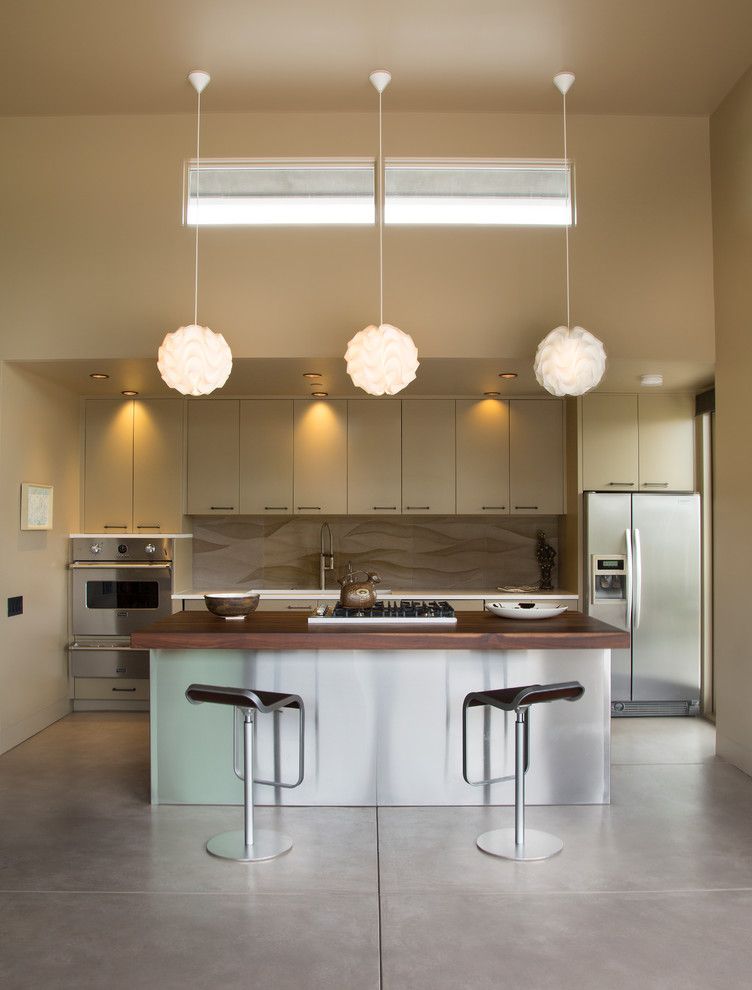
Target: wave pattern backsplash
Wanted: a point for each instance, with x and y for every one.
(442, 552)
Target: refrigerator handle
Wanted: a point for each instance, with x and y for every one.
(628, 617)
(637, 579)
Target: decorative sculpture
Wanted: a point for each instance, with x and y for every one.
(545, 555)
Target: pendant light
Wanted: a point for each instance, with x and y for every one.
(569, 360)
(381, 359)
(195, 360)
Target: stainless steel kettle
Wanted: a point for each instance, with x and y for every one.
(355, 593)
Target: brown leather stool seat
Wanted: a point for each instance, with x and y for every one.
(515, 843)
(251, 845)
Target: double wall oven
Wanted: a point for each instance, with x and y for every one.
(117, 585)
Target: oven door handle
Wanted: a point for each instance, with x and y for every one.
(116, 564)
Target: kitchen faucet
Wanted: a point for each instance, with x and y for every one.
(326, 556)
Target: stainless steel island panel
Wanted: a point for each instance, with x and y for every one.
(382, 728)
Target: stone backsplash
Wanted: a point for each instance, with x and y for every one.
(442, 552)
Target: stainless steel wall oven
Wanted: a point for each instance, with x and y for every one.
(117, 585)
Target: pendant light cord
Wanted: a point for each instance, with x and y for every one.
(381, 220)
(198, 204)
(567, 174)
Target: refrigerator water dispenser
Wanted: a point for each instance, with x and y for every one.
(609, 578)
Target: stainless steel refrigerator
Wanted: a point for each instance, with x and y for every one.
(642, 567)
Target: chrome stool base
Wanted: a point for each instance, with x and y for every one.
(266, 845)
(536, 845)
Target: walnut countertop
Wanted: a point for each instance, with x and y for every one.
(284, 631)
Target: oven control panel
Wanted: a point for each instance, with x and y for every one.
(131, 548)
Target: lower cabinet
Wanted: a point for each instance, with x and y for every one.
(111, 689)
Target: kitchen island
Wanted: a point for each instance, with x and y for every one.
(383, 709)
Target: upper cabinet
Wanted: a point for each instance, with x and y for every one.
(610, 446)
(157, 465)
(320, 456)
(108, 467)
(667, 442)
(133, 465)
(638, 443)
(374, 462)
(536, 456)
(213, 485)
(266, 456)
(428, 456)
(483, 456)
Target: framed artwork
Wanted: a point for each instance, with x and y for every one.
(36, 506)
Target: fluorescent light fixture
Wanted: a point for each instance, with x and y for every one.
(480, 192)
(283, 193)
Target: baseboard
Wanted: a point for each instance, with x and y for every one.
(732, 752)
(14, 735)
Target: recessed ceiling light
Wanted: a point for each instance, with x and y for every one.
(651, 379)
(507, 374)
(128, 391)
(98, 376)
(319, 395)
(492, 395)
(311, 374)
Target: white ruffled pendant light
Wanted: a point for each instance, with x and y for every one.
(569, 360)
(193, 359)
(381, 359)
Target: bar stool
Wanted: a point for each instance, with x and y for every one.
(250, 845)
(516, 843)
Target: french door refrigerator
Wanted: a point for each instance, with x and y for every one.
(642, 562)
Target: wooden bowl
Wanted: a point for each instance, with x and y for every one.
(231, 606)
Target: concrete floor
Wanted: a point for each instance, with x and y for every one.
(99, 890)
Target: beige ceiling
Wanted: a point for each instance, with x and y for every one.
(284, 376)
(630, 56)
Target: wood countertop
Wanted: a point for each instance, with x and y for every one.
(284, 631)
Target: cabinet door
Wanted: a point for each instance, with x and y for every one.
(667, 443)
(320, 456)
(213, 456)
(428, 456)
(536, 457)
(609, 443)
(483, 456)
(266, 457)
(158, 465)
(108, 466)
(374, 459)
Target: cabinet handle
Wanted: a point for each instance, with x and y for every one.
(115, 526)
(526, 506)
(622, 484)
(496, 507)
(302, 507)
(306, 608)
(226, 507)
(275, 508)
(655, 484)
(384, 506)
(148, 526)
(417, 506)
(126, 690)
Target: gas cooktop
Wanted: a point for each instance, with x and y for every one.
(405, 613)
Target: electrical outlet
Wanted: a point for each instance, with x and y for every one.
(15, 605)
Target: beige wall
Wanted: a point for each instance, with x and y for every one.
(94, 261)
(39, 441)
(731, 144)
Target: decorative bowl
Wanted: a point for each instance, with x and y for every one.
(525, 610)
(232, 606)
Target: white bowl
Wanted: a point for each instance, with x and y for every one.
(523, 610)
